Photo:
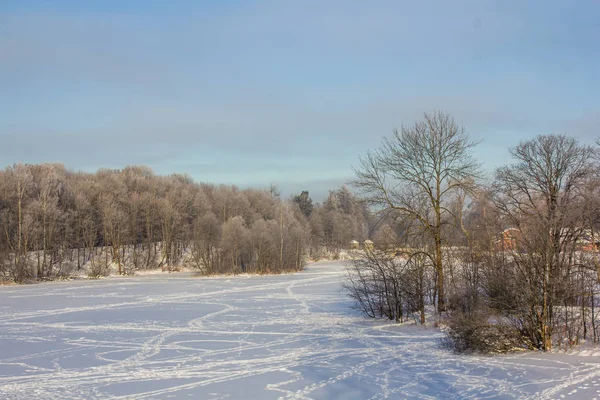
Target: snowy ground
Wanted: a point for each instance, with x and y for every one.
(290, 336)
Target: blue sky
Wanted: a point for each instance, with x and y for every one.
(291, 92)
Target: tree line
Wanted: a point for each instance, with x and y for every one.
(54, 221)
(507, 263)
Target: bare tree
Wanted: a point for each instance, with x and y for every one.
(114, 230)
(206, 254)
(265, 241)
(417, 173)
(48, 215)
(234, 242)
(17, 220)
(538, 195)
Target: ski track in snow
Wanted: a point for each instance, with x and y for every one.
(264, 337)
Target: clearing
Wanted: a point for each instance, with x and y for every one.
(262, 337)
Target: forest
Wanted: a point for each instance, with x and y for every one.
(56, 222)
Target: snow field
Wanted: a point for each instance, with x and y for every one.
(251, 337)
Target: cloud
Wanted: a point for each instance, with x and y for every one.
(277, 90)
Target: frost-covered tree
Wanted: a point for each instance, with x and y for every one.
(417, 173)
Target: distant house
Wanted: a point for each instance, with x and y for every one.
(368, 245)
(589, 241)
(509, 239)
(354, 245)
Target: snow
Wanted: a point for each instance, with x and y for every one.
(253, 337)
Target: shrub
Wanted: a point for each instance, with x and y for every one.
(480, 333)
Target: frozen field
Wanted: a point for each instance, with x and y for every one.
(291, 337)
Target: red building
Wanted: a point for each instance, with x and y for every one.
(509, 239)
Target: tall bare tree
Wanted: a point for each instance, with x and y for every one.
(205, 244)
(539, 196)
(17, 220)
(234, 243)
(417, 172)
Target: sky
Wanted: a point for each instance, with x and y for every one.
(287, 92)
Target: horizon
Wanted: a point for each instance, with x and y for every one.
(250, 94)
